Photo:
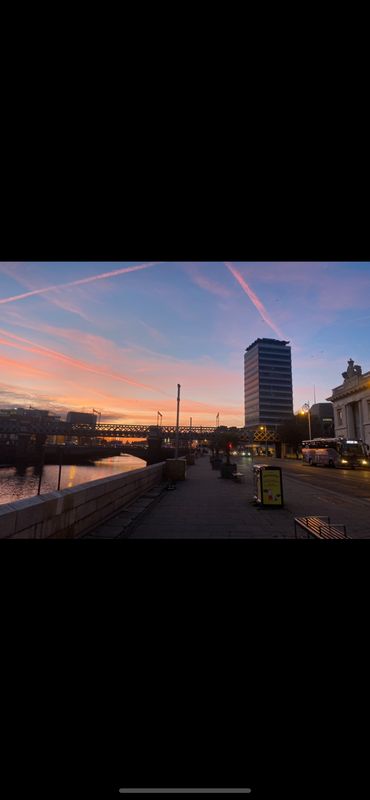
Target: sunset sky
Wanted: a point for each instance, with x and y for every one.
(119, 337)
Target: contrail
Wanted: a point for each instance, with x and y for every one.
(79, 281)
(253, 297)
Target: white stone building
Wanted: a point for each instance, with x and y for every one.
(351, 403)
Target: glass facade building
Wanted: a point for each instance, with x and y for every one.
(268, 388)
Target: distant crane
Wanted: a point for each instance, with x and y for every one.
(98, 413)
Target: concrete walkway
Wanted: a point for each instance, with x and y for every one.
(206, 506)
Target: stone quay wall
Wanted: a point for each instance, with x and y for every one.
(72, 512)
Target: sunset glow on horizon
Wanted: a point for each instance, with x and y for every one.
(120, 337)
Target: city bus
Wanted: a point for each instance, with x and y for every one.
(340, 452)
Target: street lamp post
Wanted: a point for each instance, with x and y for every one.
(264, 428)
(306, 409)
(177, 421)
(41, 467)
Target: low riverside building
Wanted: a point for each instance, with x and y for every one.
(27, 417)
(351, 403)
(80, 418)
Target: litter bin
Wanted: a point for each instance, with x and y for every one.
(227, 470)
(175, 469)
(268, 486)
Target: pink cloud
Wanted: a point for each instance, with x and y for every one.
(98, 346)
(130, 409)
(65, 298)
(26, 345)
(13, 365)
(204, 282)
(78, 383)
(70, 305)
(153, 332)
(198, 378)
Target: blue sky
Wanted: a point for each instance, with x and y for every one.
(121, 342)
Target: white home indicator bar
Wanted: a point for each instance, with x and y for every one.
(185, 791)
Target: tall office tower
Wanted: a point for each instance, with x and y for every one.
(268, 390)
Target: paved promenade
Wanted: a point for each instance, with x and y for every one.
(205, 506)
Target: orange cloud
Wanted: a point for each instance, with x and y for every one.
(114, 407)
(13, 364)
(98, 346)
(197, 378)
(25, 344)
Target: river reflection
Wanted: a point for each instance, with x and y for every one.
(17, 483)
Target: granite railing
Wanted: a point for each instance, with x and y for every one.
(72, 512)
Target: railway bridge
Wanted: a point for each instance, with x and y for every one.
(24, 434)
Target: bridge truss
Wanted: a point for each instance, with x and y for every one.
(118, 430)
(111, 430)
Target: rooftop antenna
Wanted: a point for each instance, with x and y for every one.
(314, 394)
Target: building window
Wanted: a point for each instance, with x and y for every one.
(340, 416)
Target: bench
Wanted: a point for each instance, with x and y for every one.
(319, 528)
(238, 477)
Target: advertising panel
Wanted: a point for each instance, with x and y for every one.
(271, 487)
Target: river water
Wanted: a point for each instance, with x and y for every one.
(18, 484)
